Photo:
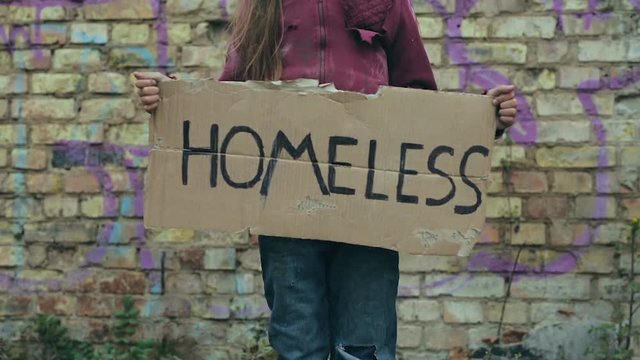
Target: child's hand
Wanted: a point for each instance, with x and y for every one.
(148, 90)
(504, 98)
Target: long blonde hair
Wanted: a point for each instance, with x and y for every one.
(256, 38)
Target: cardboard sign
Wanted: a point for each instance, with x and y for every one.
(404, 169)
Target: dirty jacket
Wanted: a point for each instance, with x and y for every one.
(356, 44)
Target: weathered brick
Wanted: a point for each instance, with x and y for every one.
(447, 79)
(38, 281)
(174, 235)
(4, 106)
(529, 182)
(89, 33)
(409, 285)
(530, 80)
(514, 312)
(46, 108)
(462, 312)
(58, 206)
(530, 234)
(179, 33)
(11, 255)
(130, 34)
(16, 305)
(563, 131)
(547, 207)
(59, 232)
(119, 9)
(549, 104)
(92, 306)
(409, 336)
(602, 50)
(597, 260)
(613, 289)
(58, 84)
(249, 307)
(29, 159)
(419, 263)
(500, 207)
(120, 258)
(139, 57)
(474, 28)
(619, 131)
(202, 55)
(108, 83)
(571, 182)
(501, 154)
(55, 133)
(44, 182)
(22, 14)
(631, 207)
(130, 134)
(419, 310)
(571, 77)
(48, 34)
(496, 183)
(444, 337)
(494, 53)
(53, 13)
(430, 27)
(595, 207)
(558, 287)
(572, 157)
(577, 25)
(112, 110)
(552, 51)
(530, 26)
(552, 311)
(183, 283)
(123, 282)
(245, 283)
(563, 233)
(83, 60)
(60, 305)
(485, 286)
(178, 7)
(220, 259)
(97, 206)
(80, 282)
(435, 53)
(220, 283)
(36, 255)
(13, 84)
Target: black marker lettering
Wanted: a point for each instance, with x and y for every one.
(369, 194)
(213, 175)
(409, 199)
(186, 149)
(461, 209)
(334, 141)
(223, 159)
(282, 142)
(431, 165)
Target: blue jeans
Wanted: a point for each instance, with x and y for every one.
(329, 298)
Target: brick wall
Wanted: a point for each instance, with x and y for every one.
(73, 148)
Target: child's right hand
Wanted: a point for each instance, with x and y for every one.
(148, 90)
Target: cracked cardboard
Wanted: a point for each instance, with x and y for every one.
(299, 160)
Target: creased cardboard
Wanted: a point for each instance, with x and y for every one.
(405, 169)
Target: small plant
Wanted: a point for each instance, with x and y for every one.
(614, 339)
(56, 344)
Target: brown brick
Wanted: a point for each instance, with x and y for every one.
(547, 207)
(184, 283)
(121, 282)
(15, 305)
(81, 181)
(80, 281)
(56, 305)
(93, 306)
(631, 207)
(192, 259)
(529, 182)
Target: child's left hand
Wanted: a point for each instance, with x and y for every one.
(504, 98)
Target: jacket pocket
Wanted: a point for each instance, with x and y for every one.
(366, 15)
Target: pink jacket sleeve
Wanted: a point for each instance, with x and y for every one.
(408, 62)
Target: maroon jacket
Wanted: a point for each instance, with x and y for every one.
(356, 44)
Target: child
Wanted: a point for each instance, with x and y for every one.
(330, 298)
